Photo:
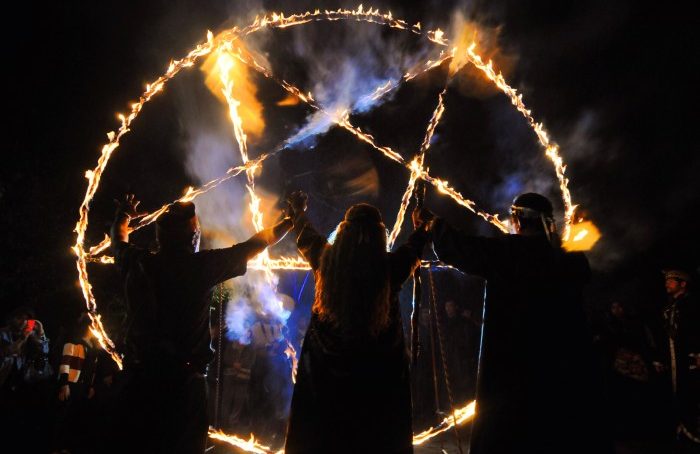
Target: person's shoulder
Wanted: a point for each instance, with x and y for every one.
(576, 264)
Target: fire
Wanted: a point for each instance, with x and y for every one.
(291, 353)
(551, 148)
(290, 100)
(250, 445)
(584, 235)
(416, 167)
(458, 417)
(223, 72)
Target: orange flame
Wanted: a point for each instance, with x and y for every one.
(290, 100)
(584, 235)
(459, 417)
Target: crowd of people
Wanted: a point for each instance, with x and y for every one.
(542, 370)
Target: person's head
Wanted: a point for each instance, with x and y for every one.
(532, 214)
(424, 316)
(81, 326)
(451, 309)
(178, 228)
(676, 282)
(17, 319)
(617, 310)
(352, 287)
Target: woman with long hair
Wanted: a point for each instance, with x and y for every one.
(353, 389)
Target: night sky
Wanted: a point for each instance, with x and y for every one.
(611, 81)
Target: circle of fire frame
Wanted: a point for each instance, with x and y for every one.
(225, 44)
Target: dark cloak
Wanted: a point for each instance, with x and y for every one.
(537, 387)
(353, 396)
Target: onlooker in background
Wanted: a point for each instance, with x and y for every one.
(77, 428)
(682, 324)
(237, 363)
(459, 353)
(24, 370)
(269, 377)
(627, 349)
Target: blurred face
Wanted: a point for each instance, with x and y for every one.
(18, 323)
(451, 309)
(674, 286)
(617, 310)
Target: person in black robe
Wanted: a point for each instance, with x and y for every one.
(168, 343)
(681, 316)
(353, 392)
(537, 387)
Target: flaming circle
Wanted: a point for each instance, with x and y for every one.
(229, 46)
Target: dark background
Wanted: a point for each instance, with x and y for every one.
(612, 81)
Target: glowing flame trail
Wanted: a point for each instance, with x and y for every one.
(551, 148)
(418, 164)
(461, 416)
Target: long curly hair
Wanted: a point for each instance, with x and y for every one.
(352, 285)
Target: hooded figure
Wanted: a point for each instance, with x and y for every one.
(167, 334)
(353, 390)
(536, 387)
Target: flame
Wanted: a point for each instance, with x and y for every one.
(224, 72)
(416, 167)
(290, 100)
(459, 416)
(250, 445)
(584, 235)
(291, 353)
(551, 148)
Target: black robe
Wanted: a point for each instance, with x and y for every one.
(537, 388)
(353, 397)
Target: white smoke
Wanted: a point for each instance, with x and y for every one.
(346, 73)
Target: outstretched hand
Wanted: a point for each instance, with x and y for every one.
(296, 203)
(422, 218)
(128, 206)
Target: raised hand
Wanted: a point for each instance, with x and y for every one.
(297, 202)
(422, 217)
(128, 206)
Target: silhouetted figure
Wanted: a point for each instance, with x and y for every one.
(353, 389)
(168, 340)
(537, 389)
(682, 324)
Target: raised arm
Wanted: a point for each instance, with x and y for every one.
(407, 257)
(218, 265)
(310, 243)
(471, 254)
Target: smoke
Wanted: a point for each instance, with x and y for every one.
(224, 213)
(347, 67)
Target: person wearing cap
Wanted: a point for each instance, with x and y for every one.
(537, 387)
(681, 316)
(167, 339)
(352, 393)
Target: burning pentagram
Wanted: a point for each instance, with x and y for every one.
(228, 48)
